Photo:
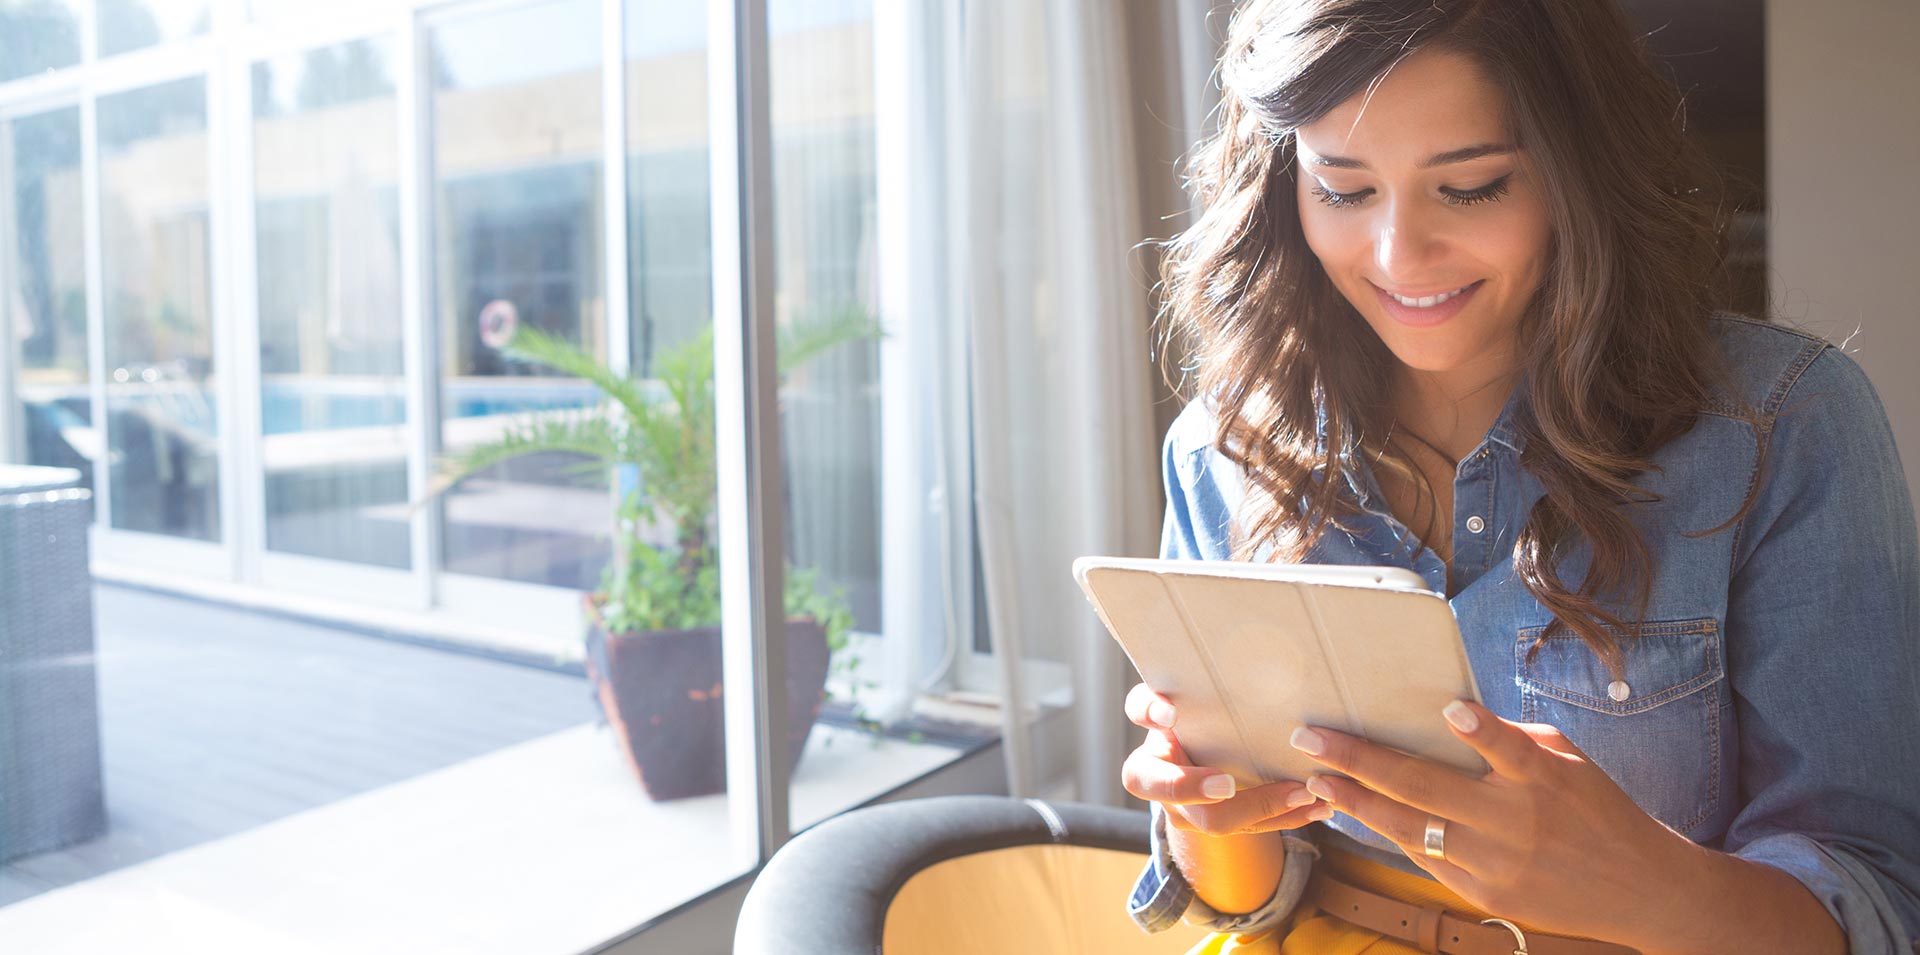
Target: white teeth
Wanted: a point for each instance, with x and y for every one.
(1430, 300)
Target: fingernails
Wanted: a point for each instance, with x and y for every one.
(1161, 712)
(1307, 741)
(1299, 798)
(1319, 786)
(1217, 787)
(1461, 716)
(1320, 812)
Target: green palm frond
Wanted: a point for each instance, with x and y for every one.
(686, 371)
(664, 428)
(805, 340)
(576, 432)
(534, 345)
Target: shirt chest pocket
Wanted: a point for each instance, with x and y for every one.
(1657, 730)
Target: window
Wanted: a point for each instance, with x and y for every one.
(53, 418)
(38, 35)
(327, 256)
(261, 277)
(518, 242)
(154, 238)
(127, 25)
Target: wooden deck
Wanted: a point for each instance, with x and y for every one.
(217, 720)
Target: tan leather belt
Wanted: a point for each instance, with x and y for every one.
(1436, 930)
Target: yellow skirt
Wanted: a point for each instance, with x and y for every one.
(1312, 932)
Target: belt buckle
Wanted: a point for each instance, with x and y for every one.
(1519, 937)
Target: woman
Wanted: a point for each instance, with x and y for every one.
(1453, 307)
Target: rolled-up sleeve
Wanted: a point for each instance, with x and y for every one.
(1162, 896)
(1823, 650)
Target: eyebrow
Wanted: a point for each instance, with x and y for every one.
(1446, 158)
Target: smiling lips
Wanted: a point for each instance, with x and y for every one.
(1426, 310)
(1426, 301)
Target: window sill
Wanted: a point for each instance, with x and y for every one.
(547, 846)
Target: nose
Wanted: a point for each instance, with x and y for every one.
(1405, 244)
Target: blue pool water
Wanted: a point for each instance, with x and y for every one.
(285, 409)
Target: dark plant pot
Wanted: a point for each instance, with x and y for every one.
(660, 691)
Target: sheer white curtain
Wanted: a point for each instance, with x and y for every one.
(1065, 433)
(1026, 149)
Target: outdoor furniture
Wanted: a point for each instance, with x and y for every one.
(50, 794)
(954, 874)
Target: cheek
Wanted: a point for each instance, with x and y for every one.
(1333, 235)
(1518, 242)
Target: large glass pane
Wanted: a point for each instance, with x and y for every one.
(655, 654)
(159, 341)
(821, 73)
(332, 382)
(518, 244)
(127, 25)
(47, 298)
(823, 217)
(267, 11)
(669, 219)
(38, 35)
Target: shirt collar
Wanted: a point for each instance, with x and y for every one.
(1504, 431)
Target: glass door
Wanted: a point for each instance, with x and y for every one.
(155, 245)
(517, 243)
(43, 294)
(332, 445)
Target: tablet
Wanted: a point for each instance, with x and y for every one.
(1246, 652)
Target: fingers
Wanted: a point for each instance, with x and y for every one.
(1424, 785)
(1149, 709)
(1162, 744)
(1157, 770)
(1405, 825)
(1550, 737)
(1513, 749)
(1461, 881)
(1281, 805)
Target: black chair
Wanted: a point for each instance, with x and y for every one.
(957, 874)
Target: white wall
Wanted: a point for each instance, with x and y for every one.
(1843, 183)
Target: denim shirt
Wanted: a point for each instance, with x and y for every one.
(1772, 704)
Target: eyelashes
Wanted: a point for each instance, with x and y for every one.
(1488, 193)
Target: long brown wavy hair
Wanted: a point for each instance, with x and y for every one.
(1617, 355)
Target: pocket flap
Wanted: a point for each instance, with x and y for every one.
(1671, 659)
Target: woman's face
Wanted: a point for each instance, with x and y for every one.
(1417, 192)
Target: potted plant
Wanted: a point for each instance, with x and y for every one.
(652, 628)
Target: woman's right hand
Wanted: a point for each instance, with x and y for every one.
(1158, 771)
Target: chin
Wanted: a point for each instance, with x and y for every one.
(1433, 356)
(1424, 361)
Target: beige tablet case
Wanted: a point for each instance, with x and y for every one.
(1246, 652)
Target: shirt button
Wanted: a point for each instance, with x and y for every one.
(1619, 691)
(1475, 525)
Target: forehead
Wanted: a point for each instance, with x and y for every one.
(1431, 101)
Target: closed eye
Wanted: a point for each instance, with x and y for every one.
(1459, 197)
(1487, 193)
(1331, 198)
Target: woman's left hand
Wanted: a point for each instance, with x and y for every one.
(1545, 839)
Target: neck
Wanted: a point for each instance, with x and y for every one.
(1453, 409)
